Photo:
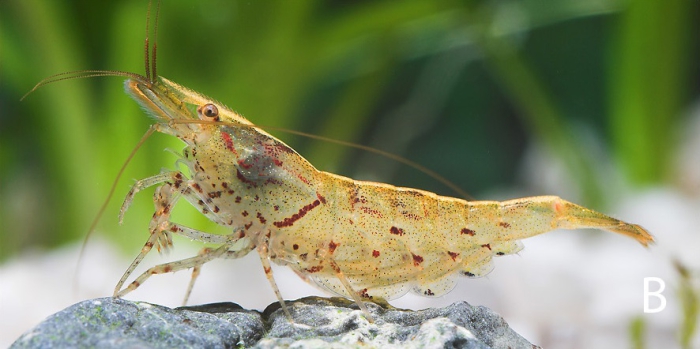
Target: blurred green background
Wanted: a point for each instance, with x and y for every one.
(461, 87)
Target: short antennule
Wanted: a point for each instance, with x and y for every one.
(150, 59)
(146, 47)
(155, 43)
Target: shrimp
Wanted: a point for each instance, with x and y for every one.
(358, 239)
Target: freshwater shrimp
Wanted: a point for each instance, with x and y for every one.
(358, 239)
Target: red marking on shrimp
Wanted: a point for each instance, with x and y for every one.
(332, 246)
(242, 178)
(396, 231)
(454, 255)
(467, 232)
(228, 141)
(487, 246)
(363, 293)
(314, 269)
(243, 164)
(287, 222)
(375, 253)
(417, 260)
(371, 211)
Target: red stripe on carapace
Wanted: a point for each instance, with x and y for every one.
(228, 142)
(287, 222)
(320, 197)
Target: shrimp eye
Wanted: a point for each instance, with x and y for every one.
(208, 111)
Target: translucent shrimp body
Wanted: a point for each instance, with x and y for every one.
(355, 238)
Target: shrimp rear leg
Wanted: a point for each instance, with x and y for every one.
(522, 218)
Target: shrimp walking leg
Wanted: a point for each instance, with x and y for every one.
(160, 227)
(175, 266)
(264, 253)
(145, 183)
(198, 268)
(163, 199)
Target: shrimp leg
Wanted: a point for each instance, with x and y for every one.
(264, 253)
(193, 262)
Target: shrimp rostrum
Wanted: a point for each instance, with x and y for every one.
(354, 238)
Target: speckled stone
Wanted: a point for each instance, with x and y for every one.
(317, 323)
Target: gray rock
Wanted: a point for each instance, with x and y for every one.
(318, 323)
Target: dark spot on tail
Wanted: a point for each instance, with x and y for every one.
(428, 292)
(295, 247)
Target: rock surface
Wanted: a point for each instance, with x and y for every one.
(318, 323)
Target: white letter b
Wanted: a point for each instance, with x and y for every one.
(647, 294)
